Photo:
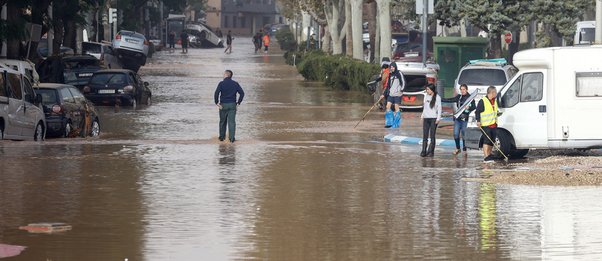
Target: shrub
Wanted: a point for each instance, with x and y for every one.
(286, 39)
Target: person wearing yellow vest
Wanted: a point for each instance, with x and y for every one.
(266, 42)
(486, 116)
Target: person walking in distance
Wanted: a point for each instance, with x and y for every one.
(431, 115)
(228, 42)
(225, 99)
(461, 122)
(394, 91)
(486, 116)
(266, 42)
(184, 40)
(171, 41)
(257, 40)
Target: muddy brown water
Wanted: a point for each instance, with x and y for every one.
(299, 184)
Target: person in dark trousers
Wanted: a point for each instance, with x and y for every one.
(431, 115)
(257, 41)
(171, 41)
(461, 121)
(225, 99)
(228, 43)
(184, 39)
(486, 116)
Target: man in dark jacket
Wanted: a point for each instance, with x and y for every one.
(225, 99)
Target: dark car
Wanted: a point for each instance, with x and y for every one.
(68, 113)
(75, 70)
(117, 87)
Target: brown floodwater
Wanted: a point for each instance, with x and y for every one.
(300, 183)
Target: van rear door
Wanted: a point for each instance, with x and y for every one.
(16, 108)
(524, 106)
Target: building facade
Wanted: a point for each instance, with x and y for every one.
(242, 17)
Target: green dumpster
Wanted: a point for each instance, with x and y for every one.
(451, 53)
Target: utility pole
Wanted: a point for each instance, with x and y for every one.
(424, 29)
(50, 34)
(3, 17)
(598, 31)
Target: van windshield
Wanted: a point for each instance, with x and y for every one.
(483, 77)
(586, 36)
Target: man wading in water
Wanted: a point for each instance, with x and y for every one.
(225, 99)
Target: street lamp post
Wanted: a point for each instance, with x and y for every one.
(598, 32)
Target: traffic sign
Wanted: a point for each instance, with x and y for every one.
(508, 37)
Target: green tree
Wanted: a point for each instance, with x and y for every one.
(558, 18)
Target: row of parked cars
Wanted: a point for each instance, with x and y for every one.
(60, 101)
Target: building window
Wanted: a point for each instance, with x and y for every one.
(226, 21)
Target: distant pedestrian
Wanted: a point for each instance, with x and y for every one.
(257, 40)
(461, 122)
(486, 116)
(431, 115)
(171, 41)
(266, 42)
(184, 40)
(228, 43)
(225, 99)
(218, 32)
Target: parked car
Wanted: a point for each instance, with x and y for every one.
(75, 70)
(104, 53)
(21, 117)
(117, 87)
(484, 73)
(416, 77)
(131, 48)
(68, 112)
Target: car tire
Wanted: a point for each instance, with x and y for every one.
(518, 154)
(38, 135)
(68, 128)
(505, 142)
(95, 128)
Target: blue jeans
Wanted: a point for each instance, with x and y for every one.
(459, 127)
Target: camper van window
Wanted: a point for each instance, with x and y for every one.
(589, 84)
(586, 36)
(15, 86)
(2, 86)
(532, 89)
(511, 97)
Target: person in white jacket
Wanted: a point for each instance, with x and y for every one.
(431, 115)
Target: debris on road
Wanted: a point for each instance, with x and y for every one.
(10, 250)
(46, 227)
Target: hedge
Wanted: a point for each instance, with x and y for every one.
(337, 71)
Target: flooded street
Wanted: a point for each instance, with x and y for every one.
(298, 184)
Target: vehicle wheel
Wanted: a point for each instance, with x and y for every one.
(38, 135)
(505, 142)
(95, 128)
(68, 129)
(518, 154)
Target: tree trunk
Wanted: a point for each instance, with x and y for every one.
(69, 39)
(58, 39)
(495, 45)
(356, 28)
(371, 7)
(326, 42)
(376, 46)
(104, 11)
(348, 32)
(13, 18)
(384, 20)
(333, 16)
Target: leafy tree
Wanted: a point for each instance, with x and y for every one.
(559, 18)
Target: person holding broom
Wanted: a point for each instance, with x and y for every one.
(486, 116)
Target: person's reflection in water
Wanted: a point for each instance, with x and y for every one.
(227, 155)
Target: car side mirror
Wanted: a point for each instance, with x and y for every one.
(146, 84)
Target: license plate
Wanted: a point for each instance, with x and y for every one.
(85, 75)
(131, 41)
(106, 91)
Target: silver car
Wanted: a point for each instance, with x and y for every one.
(132, 48)
(21, 117)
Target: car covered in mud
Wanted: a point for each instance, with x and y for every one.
(75, 70)
(117, 87)
(68, 112)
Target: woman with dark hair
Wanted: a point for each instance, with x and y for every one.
(394, 91)
(461, 121)
(431, 115)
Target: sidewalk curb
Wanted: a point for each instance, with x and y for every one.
(412, 140)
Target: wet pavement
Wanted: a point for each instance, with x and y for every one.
(299, 184)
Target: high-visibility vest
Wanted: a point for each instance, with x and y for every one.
(266, 40)
(489, 114)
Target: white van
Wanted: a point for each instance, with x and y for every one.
(21, 117)
(552, 103)
(585, 33)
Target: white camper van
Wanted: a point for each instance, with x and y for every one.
(552, 103)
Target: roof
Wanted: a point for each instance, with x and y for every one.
(52, 86)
